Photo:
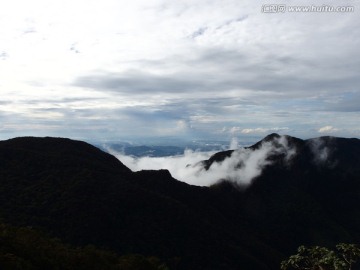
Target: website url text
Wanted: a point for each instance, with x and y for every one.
(274, 8)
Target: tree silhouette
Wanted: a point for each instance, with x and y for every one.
(322, 258)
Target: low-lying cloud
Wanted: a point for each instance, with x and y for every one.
(322, 152)
(246, 163)
(179, 166)
(241, 167)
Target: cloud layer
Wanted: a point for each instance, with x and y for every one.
(112, 69)
(240, 168)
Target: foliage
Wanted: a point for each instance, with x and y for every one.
(321, 258)
(28, 249)
(81, 195)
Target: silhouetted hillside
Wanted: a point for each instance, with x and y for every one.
(82, 195)
(308, 196)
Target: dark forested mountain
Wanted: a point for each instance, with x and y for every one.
(307, 193)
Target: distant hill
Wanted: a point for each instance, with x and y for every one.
(74, 191)
(155, 150)
(145, 150)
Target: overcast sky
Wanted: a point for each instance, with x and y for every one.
(114, 69)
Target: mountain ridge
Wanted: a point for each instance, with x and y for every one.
(302, 147)
(76, 192)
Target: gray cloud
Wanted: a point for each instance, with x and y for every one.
(3, 55)
(138, 83)
(228, 88)
(350, 102)
(29, 30)
(204, 66)
(198, 32)
(217, 70)
(232, 21)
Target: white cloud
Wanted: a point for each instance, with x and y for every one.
(254, 130)
(327, 129)
(234, 144)
(241, 167)
(179, 166)
(258, 130)
(208, 63)
(320, 151)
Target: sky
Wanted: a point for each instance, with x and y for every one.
(199, 69)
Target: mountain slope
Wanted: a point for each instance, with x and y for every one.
(74, 191)
(307, 191)
(84, 196)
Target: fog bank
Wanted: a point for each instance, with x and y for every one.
(241, 167)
